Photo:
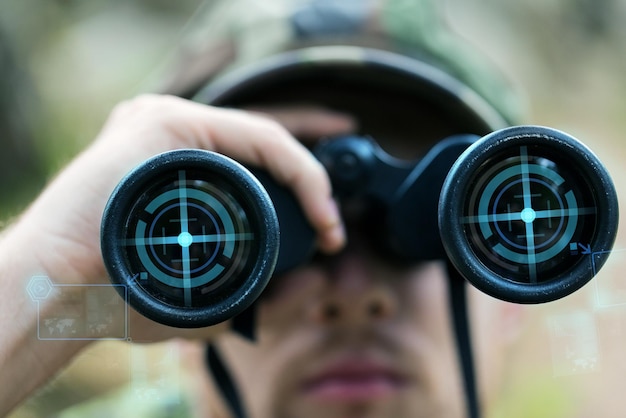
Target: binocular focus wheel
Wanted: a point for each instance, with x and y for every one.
(523, 210)
(192, 235)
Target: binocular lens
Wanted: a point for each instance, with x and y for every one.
(193, 236)
(523, 210)
(526, 214)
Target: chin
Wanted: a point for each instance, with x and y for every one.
(382, 403)
(363, 410)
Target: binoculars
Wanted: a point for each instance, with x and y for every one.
(527, 214)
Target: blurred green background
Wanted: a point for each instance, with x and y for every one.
(65, 63)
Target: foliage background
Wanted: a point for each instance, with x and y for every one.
(76, 59)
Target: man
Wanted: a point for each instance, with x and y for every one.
(351, 334)
(323, 53)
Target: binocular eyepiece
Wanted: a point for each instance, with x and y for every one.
(527, 214)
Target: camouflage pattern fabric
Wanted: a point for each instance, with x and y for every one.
(233, 33)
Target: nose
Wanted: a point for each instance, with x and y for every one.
(354, 294)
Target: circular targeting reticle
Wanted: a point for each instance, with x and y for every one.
(193, 235)
(522, 212)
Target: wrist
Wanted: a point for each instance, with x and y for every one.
(26, 361)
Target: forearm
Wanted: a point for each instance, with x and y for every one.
(26, 362)
(59, 235)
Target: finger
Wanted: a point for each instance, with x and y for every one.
(267, 144)
(250, 139)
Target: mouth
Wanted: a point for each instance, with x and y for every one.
(354, 380)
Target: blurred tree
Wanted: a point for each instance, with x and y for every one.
(20, 168)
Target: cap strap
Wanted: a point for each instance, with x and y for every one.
(459, 314)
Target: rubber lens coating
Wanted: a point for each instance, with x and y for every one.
(522, 212)
(193, 235)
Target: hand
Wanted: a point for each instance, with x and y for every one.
(59, 234)
(66, 218)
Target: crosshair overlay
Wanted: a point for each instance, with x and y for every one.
(201, 256)
(528, 215)
(185, 239)
(513, 203)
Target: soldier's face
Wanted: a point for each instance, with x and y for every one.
(357, 337)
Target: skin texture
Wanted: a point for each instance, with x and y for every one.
(320, 326)
(355, 310)
(64, 220)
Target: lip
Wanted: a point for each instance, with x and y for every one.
(355, 380)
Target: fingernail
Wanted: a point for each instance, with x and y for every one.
(336, 238)
(334, 235)
(333, 211)
(344, 123)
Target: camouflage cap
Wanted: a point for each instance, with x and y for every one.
(234, 34)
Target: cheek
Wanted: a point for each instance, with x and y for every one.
(428, 331)
(496, 327)
(425, 298)
(263, 369)
(287, 306)
(420, 294)
(267, 372)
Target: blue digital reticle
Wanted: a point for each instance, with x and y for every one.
(527, 214)
(189, 236)
(193, 235)
(522, 211)
(524, 216)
